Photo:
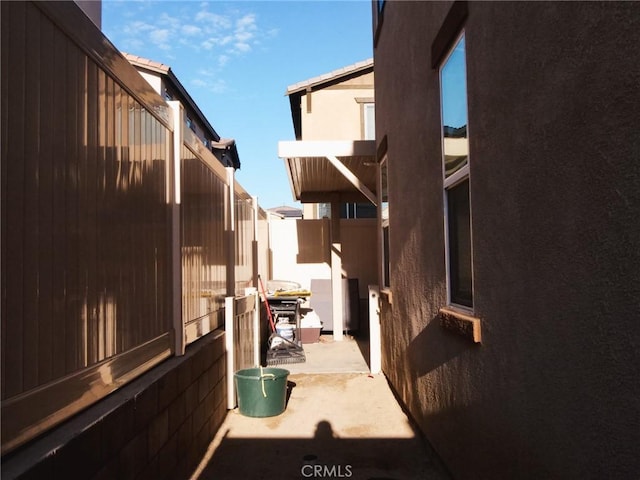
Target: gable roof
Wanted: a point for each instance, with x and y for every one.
(330, 77)
(285, 211)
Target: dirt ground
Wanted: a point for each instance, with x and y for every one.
(334, 426)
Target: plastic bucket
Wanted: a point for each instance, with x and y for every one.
(285, 330)
(262, 392)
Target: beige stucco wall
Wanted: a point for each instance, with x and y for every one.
(153, 79)
(335, 113)
(359, 254)
(298, 257)
(300, 251)
(552, 391)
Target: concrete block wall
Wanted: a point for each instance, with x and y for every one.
(159, 426)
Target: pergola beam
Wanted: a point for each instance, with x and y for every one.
(355, 181)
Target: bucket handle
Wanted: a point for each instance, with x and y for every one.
(262, 376)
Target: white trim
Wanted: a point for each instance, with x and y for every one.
(375, 339)
(318, 148)
(459, 176)
(384, 282)
(463, 308)
(353, 179)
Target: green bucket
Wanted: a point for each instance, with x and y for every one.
(262, 392)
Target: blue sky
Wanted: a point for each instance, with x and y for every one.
(236, 60)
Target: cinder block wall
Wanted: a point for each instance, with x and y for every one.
(159, 426)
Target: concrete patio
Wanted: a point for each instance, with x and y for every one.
(340, 422)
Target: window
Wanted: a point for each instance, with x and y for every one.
(349, 210)
(190, 124)
(358, 210)
(369, 121)
(455, 168)
(383, 201)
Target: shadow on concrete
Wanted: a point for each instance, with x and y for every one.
(323, 456)
(363, 344)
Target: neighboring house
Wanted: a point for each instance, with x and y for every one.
(285, 212)
(332, 172)
(508, 144)
(167, 85)
(338, 105)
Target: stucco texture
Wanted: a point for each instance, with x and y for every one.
(552, 390)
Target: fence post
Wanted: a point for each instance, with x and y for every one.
(255, 249)
(256, 329)
(375, 344)
(229, 328)
(173, 198)
(231, 233)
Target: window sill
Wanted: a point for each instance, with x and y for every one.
(461, 323)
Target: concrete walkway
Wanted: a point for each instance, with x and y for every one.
(335, 425)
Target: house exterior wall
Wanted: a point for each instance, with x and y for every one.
(334, 113)
(359, 245)
(551, 391)
(154, 80)
(163, 88)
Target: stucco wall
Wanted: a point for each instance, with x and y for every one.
(335, 113)
(552, 391)
(293, 263)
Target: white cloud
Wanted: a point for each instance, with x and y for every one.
(215, 33)
(242, 47)
(191, 30)
(210, 82)
(159, 36)
(244, 36)
(169, 21)
(134, 28)
(212, 21)
(247, 22)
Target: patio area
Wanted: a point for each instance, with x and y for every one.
(340, 422)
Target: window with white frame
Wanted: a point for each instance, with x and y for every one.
(369, 121)
(455, 162)
(383, 202)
